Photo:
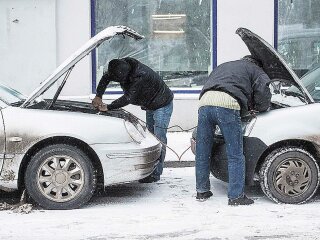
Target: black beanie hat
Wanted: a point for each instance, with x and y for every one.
(118, 69)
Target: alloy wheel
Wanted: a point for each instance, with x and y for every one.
(60, 178)
(292, 177)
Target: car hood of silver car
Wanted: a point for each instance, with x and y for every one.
(273, 64)
(94, 42)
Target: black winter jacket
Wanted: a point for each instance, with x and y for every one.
(143, 87)
(244, 81)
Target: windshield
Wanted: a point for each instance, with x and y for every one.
(311, 81)
(10, 96)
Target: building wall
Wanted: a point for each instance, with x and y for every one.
(60, 27)
(258, 16)
(27, 42)
(73, 30)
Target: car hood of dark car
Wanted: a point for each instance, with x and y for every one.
(94, 42)
(272, 62)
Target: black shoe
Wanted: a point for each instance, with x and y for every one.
(240, 201)
(149, 179)
(203, 196)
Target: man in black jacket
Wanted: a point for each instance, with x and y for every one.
(231, 90)
(143, 87)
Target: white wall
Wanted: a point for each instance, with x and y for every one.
(73, 30)
(38, 35)
(27, 42)
(256, 15)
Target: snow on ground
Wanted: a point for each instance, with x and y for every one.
(167, 210)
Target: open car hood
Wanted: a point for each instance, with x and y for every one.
(94, 42)
(273, 64)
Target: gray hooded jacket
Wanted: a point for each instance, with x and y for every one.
(244, 81)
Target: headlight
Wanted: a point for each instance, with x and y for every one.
(247, 126)
(136, 132)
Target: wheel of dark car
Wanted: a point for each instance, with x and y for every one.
(60, 177)
(289, 175)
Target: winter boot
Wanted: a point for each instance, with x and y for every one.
(203, 196)
(240, 201)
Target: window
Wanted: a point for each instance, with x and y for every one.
(178, 37)
(299, 33)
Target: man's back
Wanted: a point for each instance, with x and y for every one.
(241, 79)
(146, 87)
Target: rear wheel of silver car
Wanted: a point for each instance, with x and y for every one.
(60, 177)
(289, 175)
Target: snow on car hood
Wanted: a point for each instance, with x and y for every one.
(94, 42)
(273, 64)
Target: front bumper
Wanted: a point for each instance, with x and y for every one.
(128, 162)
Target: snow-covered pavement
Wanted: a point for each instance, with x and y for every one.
(167, 210)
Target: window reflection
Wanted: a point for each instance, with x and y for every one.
(299, 33)
(178, 37)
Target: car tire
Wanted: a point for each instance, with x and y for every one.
(60, 176)
(289, 175)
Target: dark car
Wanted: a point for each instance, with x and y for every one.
(281, 146)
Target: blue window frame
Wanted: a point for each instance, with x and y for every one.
(275, 40)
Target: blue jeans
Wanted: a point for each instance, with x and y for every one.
(157, 123)
(229, 122)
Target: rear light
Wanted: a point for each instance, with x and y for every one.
(193, 145)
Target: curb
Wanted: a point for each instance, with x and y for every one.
(179, 164)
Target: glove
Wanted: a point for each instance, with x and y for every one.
(97, 102)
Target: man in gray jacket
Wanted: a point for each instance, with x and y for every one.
(231, 90)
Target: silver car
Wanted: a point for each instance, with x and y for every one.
(60, 150)
(281, 146)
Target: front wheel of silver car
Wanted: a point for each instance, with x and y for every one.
(60, 177)
(289, 175)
